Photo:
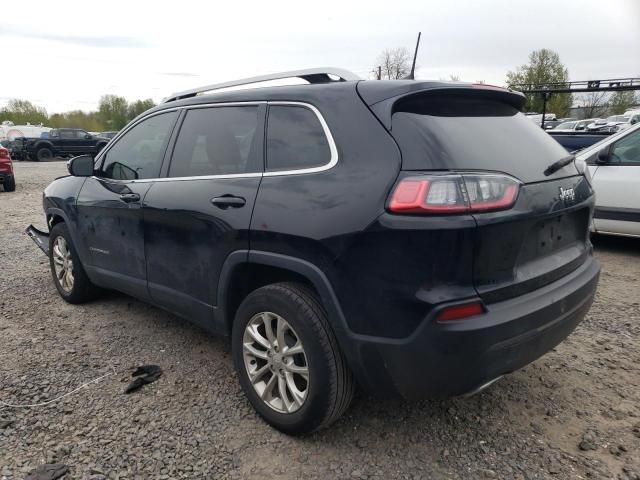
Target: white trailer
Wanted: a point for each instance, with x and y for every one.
(9, 131)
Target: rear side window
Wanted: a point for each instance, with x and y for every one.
(217, 141)
(295, 139)
(455, 132)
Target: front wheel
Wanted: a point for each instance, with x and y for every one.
(69, 276)
(288, 360)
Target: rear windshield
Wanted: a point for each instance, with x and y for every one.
(451, 132)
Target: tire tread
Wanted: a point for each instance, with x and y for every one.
(342, 388)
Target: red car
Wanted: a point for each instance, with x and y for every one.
(7, 179)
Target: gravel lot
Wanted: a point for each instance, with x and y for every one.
(575, 413)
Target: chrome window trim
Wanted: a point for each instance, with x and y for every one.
(333, 160)
(333, 149)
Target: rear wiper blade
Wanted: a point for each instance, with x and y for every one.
(555, 166)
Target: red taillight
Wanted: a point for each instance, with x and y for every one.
(4, 153)
(447, 194)
(458, 312)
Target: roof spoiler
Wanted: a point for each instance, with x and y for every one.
(311, 75)
(382, 98)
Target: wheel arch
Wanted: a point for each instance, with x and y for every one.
(244, 271)
(53, 218)
(55, 215)
(43, 144)
(234, 285)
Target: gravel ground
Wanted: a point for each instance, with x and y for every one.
(575, 413)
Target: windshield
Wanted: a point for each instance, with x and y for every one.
(618, 118)
(566, 125)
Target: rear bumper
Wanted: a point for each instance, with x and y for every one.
(40, 238)
(457, 357)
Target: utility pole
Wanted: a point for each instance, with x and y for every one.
(379, 72)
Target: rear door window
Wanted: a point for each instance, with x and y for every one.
(217, 141)
(295, 139)
(67, 134)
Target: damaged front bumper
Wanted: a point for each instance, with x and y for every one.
(40, 238)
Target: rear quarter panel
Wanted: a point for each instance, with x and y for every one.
(318, 217)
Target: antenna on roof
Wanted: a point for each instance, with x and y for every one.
(413, 65)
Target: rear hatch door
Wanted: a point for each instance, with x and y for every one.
(544, 235)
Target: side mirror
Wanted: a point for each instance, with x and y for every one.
(604, 156)
(580, 127)
(81, 166)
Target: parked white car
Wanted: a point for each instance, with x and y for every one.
(617, 123)
(575, 126)
(614, 167)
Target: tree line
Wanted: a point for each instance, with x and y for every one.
(113, 113)
(543, 66)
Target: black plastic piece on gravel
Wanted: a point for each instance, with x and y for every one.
(49, 471)
(145, 374)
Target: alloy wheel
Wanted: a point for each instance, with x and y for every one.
(63, 264)
(276, 362)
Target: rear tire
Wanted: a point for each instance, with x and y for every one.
(310, 403)
(43, 154)
(10, 185)
(69, 276)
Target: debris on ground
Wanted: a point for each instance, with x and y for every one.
(144, 375)
(49, 471)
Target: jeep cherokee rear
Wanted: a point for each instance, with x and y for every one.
(409, 235)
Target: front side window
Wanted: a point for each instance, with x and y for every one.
(217, 141)
(627, 150)
(295, 139)
(67, 134)
(138, 153)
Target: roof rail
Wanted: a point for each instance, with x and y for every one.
(312, 75)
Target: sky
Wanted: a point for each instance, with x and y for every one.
(64, 55)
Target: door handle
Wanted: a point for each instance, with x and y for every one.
(228, 201)
(130, 197)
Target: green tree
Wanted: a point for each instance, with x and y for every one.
(622, 101)
(23, 111)
(544, 67)
(113, 112)
(77, 119)
(138, 107)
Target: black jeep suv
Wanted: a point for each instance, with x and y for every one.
(416, 238)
